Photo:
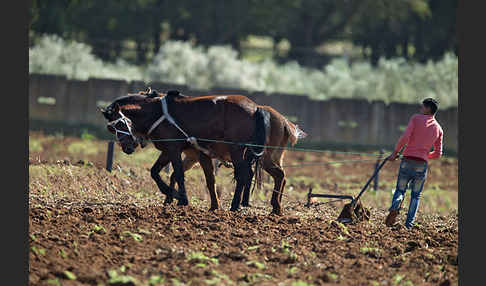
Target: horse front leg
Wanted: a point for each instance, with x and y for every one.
(161, 162)
(175, 158)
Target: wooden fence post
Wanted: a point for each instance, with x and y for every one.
(109, 156)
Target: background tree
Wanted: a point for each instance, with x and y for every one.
(414, 29)
(418, 30)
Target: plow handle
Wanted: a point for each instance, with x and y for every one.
(369, 180)
(331, 196)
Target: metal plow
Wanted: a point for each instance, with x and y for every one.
(354, 211)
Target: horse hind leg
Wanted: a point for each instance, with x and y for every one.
(278, 176)
(208, 168)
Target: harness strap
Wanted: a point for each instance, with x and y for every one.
(156, 123)
(171, 120)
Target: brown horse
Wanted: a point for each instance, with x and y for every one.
(159, 117)
(281, 132)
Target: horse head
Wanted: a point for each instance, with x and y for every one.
(121, 126)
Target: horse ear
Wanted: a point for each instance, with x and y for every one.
(106, 113)
(116, 108)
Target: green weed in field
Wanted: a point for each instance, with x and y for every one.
(397, 278)
(54, 282)
(69, 275)
(63, 253)
(332, 276)
(285, 246)
(199, 257)
(301, 283)
(253, 278)
(38, 251)
(293, 270)
(372, 251)
(116, 279)
(341, 238)
(156, 280)
(135, 236)
(99, 228)
(259, 265)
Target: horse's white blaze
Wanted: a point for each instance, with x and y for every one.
(219, 98)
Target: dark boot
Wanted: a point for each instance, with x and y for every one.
(392, 216)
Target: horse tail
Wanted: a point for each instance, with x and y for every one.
(293, 132)
(262, 126)
(258, 173)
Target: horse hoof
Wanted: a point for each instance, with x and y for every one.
(181, 198)
(183, 203)
(245, 205)
(276, 212)
(168, 201)
(234, 209)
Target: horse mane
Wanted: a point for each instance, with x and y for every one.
(175, 94)
(150, 93)
(131, 101)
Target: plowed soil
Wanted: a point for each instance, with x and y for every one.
(88, 226)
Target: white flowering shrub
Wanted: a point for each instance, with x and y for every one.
(54, 55)
(183, 63)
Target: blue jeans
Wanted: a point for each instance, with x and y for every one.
(411, 174)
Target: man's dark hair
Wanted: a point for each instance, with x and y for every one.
(432, 104)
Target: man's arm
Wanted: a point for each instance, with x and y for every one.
(437, 148)
(403, 139)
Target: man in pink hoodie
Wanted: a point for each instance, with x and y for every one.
(423, 132)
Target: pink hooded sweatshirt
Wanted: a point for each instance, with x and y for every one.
(422, 132)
